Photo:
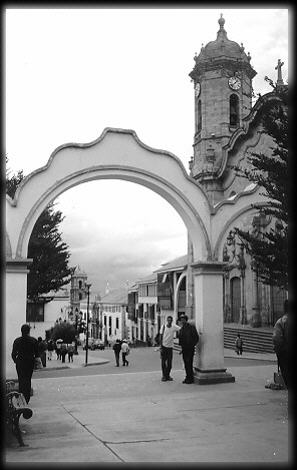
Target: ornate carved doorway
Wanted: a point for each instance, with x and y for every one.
(235, 292)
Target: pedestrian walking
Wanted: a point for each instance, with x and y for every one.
(24, 352)
(117, 349)
(166, 342)
(50, 348)
(42, 347)
(58, 348)
(188, 338)
(63, 351)
(70, 352)
(125, 351)
(281, 344)
(238, 345)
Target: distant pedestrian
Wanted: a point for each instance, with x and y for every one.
(188, 338)
(238, 345)
(125, 351)
(24, 352)
(70, 352)
(166, 343)
(281, 344)
(63, 351)
(58, 348)
(50, 348)
(42, 347)
(117, 349)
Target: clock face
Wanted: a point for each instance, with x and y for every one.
(234, 83)
(197, 89)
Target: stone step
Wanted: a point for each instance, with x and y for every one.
(254, 340)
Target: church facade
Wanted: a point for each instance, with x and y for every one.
(227, 130)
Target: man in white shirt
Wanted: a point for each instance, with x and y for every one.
(167, 332)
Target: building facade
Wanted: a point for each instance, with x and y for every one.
(227, 131)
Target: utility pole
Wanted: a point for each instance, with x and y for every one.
(87, 332)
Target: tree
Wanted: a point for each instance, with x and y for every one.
(269, 249)
(49, 270)
(12, 182)
(65, 331)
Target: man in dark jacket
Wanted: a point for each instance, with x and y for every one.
(188, 338)
(24, 351)
(117, 349)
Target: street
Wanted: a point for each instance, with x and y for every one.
(144, 359)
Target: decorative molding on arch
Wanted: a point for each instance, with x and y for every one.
(107, 130)
(132, 173)
(228, 224)
(250, 189)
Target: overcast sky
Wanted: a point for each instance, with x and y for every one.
(70, 73)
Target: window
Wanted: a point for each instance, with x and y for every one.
(117, 323)
(234, 110)
(152, 291)
(199, 121)
(79, 284)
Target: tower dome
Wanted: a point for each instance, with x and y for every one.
(221, 51)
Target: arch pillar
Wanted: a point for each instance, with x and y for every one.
(208, 292)
(16, 301)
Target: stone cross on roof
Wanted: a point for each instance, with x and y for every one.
(279, 72)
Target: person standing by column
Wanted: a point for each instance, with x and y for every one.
(24, 352)
(281, 344)
(188, 338)
(167, 332)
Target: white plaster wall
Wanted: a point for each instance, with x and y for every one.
(15, 291)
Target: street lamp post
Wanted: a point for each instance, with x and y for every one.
(87, 332)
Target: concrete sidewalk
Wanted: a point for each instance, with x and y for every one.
(134, 417)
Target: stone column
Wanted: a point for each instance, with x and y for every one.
(208, 290)
(16, 301)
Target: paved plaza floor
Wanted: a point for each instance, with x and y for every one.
(134, 417)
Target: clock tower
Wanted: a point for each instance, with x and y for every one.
(222, 78)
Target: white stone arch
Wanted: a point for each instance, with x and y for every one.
(176, 293)
(117, 154)
(232, 222)
(226, 213)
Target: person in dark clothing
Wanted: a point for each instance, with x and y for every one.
(238, 345)
(117, 349)
(281, 344)
(24, 352)
(42, 347)
(63, 351)
(188, 338)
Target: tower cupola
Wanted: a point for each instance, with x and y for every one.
(222, 78)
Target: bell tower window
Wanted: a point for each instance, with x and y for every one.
(199, 116)
(234, 110)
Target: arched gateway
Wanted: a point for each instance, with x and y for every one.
(119, 154)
